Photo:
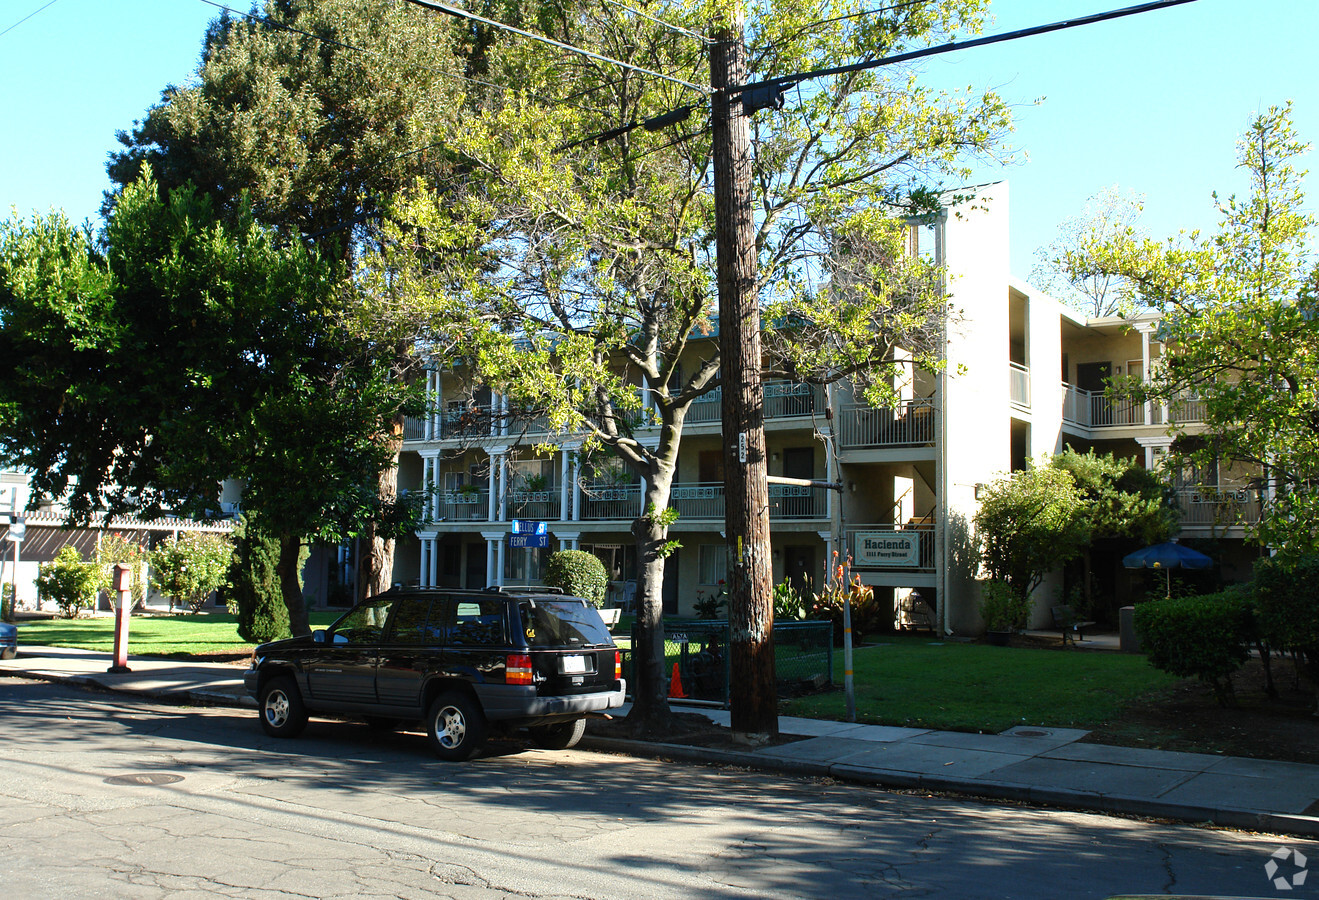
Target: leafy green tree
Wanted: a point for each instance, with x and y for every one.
(70, 581)
(1240, 330)
(138, 371)
(253, 592)
(191, 566)
(1120, 499)
(1073, 268)
(1028, 523)
(307, 118)
(579, 272)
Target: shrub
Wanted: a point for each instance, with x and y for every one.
(7, 601)
(115, 549)
(788, 604)
(253, 593)
(70, 581)
(1207, 637)
(841, 590)
(1003, 608)
(1287, 606)
(578, 573)
(711, 607)
(188, 568)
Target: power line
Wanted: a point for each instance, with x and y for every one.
(266, 20)
(660, 22)
(25, 18)
(766, 88)
(464, 14)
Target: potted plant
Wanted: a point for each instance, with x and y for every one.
(1004, 611)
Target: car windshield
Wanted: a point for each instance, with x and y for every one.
(562, 623)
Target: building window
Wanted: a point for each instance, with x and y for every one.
(713, 565)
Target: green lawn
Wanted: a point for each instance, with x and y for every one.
(149, 635)
(925, 683)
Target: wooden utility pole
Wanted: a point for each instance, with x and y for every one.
(753, 700)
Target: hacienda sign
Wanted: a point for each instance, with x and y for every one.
(887, 548)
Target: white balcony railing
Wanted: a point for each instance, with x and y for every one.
(1096, 409)
(1219, 506)
(1019, 385)
(884, 546)
(910, 424)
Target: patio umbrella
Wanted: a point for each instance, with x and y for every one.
(1167, 556)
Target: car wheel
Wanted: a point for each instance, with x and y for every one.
(455, 726)
(560, 736)
(8, 653)
(282, 711)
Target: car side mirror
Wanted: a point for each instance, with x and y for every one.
(318, 636)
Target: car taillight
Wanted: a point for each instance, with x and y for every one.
(618, 665)
(517, 669)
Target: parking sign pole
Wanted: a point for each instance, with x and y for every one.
(123, 585)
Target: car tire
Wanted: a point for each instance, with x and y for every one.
(280, 706)
(456, 727)
(560, 736)
(8, 653)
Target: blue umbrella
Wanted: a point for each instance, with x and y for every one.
(1167, 556)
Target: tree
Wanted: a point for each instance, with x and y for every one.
(307, 118)
(1240, 331)
(1028, 523)
(253, 590)
(580, 271)
(140, 369)
(115, 549)
(70, 581)
(1120, 499)
(1076, 267)
(191, 566)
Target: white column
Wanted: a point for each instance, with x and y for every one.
(425, 562)
(502, 508)
(501, 547)
(496, 462)
(435, 562)
(828, 538)
(575, 497)
(565, 482)
(490, 555)
(1145, 371)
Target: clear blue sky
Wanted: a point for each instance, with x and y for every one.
(1153, 103)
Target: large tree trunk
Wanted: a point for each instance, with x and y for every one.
(290, 584)
(650, 715)
(375, 569)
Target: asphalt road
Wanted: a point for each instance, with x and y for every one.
(348, 812)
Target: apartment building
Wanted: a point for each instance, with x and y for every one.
(1024, 377)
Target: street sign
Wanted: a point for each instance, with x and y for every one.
(531, 541)
(524, 526)
(17, 530)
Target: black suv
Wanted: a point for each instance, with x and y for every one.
(463, 662)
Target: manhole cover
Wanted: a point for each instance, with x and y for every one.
(1028, 733)
(145, 778)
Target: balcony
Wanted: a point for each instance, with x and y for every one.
(600, 502)
(464, 506)
(783, 400)
(1220, 506)
(540, 506)
(1019, 385)
(1096, 409)
(911, 424)
(786, 502)
(886, 547)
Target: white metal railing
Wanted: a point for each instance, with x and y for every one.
(892, 548)
(610, 502)
(783, 400)
(1222, 506)
(792, 501)
(911, 423)
(1095, 409)
(464, 506)
(698, 500)
(539, 506)
(1019, 385)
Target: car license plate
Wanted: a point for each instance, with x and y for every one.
(574, 665)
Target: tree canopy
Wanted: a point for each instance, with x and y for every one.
(1240, 328)
(1028, 523)
(141, 368)
(576, 245)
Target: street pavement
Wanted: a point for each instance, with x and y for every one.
(1049, 766)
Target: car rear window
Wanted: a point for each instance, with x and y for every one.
(562, 623)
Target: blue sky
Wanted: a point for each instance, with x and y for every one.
(1152, 103)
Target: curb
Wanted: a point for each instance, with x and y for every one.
(1081, 801)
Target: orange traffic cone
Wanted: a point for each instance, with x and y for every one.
(675, 684)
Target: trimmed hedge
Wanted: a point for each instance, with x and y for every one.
(1206, 637)
(578, 573)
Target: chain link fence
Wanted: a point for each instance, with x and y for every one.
(696, 658)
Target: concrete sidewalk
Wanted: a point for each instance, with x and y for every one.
(1033, 764)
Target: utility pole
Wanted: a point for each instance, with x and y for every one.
(752, 700)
